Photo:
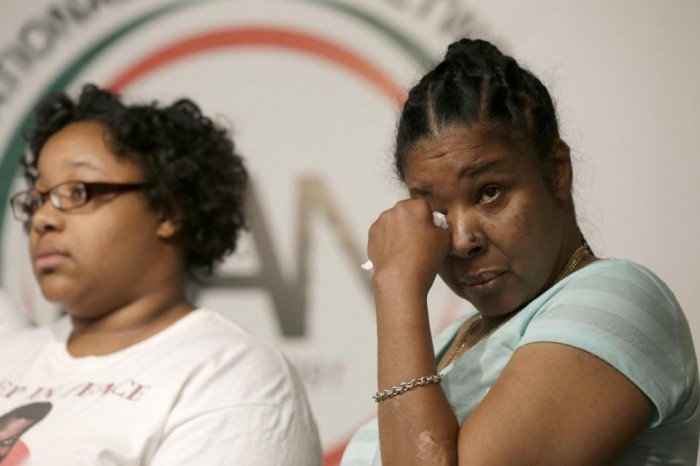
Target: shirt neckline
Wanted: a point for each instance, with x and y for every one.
(62, 329)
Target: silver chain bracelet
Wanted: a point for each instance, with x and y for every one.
(403, 387)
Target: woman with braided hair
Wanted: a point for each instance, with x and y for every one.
(570, 359)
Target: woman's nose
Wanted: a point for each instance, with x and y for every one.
(46, 218)
(468, 239)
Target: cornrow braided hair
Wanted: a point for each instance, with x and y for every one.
(476, 83)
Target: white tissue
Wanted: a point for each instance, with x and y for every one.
(439, 220)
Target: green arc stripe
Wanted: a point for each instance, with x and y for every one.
(416, 52)
(17, 145)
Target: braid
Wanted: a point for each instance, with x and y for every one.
(476, 83)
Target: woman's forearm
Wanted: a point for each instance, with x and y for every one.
(418, 426)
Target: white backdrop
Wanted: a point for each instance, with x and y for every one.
(310, 89)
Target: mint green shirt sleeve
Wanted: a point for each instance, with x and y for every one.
(625, 315)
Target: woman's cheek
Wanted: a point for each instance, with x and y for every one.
(512, 224)
(448, 276)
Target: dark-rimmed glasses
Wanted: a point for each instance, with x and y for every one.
(65, 196)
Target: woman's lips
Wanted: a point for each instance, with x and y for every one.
(483, 283)
(48, 258)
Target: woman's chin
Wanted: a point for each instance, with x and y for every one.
(56, 290)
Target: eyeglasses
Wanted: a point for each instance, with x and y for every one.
(65, 196)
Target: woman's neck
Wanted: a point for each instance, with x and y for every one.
(127, 325)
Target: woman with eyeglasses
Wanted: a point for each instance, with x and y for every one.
(125, 202)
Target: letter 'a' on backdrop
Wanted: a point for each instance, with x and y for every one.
(311, 89)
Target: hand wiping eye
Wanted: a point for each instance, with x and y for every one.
(439, 220)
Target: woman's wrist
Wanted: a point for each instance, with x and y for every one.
(401, 306)
(399, 281)
(404, 276)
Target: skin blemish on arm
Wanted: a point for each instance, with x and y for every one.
(432, 451)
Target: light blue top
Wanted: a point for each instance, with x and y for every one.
(615, 309)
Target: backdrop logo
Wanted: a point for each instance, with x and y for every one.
(311, 89)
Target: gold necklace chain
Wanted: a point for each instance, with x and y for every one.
(465, 339)
(573, 261)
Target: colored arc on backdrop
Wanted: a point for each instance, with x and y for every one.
(263, 37)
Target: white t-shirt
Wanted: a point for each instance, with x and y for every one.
(12, 316)
(200, 392)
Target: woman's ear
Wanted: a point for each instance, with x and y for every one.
(167, 228)
(562, 172)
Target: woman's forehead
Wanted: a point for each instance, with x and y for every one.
(83, 148)
(460, 153)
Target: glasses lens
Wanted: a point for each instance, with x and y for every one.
(69, 195)
(24, 205)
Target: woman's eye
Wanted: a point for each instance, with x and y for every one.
(77, 192)
(489, 193)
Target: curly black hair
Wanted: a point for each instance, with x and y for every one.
(197, 178)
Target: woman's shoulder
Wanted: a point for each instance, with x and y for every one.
(209, 332)
(617, 305)
(237, 377)
(26, 346)
(617, 267)
(31, 335)
(621, 277)
(221, 351)
(623, 313)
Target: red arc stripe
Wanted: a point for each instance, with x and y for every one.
(263, 37)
